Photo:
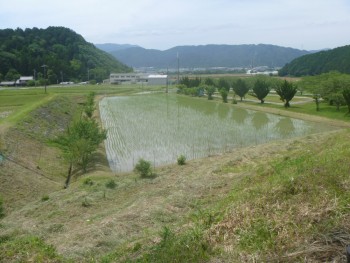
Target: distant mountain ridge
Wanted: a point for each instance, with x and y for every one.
(110, 47)
(337, 59)
(206, 56)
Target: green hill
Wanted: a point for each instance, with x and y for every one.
(68, 56)
(337, 59)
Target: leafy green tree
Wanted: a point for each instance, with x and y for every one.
(346, 94)
(209, 82)
(144, 168)
(223, 84)
(260, 89)
(12, 74)
(210, 91)
(224, 94)
(286, 90)
(80, 143)
(190, 82)
(240, 88)
(337, 99)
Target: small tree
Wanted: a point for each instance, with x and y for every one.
(80, 143)
(346, 94)
(143, 168)
(240, 88)
(337, 99)
(260, 90)
(317, 98)
(286, 90)
(210, 91)
(224, 94)
(90, 105)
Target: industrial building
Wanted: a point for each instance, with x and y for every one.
(137, 78)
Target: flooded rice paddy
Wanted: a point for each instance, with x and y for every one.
(160, 127)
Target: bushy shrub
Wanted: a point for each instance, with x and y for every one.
(45, 198)
(88, 181)
(111, 184)
(144, 168)
(181, 160)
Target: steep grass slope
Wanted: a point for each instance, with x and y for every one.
(286, 201)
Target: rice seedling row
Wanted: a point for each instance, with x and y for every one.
(160, 127)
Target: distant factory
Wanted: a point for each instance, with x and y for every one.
(137, 78)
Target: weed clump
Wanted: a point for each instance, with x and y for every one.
(45, 198)
(181, 160)
(144, 169)
(111, 184)
(88, 181)
(86, 203)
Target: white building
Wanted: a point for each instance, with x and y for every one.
(135, 78)
(126, 78)
(157, 79)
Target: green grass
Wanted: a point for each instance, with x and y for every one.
(326, 110)
(27, 249)
(17, 103)
(289, 202)
(289, 205)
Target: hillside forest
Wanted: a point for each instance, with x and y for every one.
(66, 54)
(337, 59)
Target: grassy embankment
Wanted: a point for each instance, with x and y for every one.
(285, 201)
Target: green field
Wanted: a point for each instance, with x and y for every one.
(280, 201)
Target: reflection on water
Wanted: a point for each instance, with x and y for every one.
(239, 115)
(285, 126)
(160, 127)
(259, 120)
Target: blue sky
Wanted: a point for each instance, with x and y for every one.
(307, 24)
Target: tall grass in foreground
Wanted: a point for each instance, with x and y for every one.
(293, 208)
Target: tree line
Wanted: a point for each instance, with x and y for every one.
(258, 87)
(68, 56)
(332, 87)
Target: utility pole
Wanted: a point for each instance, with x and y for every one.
(167, 82)
(44, 66)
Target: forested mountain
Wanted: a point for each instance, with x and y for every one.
(337, 59)
(66, 53)
(209, 56)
